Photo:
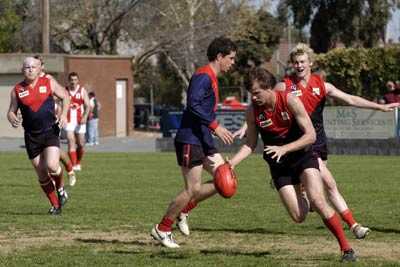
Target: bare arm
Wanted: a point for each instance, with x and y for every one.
(251, 139)
(280, 86)
(12, 110)
(62, 94)
(305, 124)
(357, 101)
(86, 106)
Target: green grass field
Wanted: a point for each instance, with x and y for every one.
(119, 196)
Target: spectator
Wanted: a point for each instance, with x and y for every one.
(93, 120)
(393, 93)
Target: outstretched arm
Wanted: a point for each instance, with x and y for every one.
(251, 139)
(357, 101)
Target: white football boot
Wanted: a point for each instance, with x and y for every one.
(182, 223)
(359, 231)
(77, 167)
(71, 178)
(165, 238)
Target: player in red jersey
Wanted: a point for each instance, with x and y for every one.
(76, 120)
(194, 142)
(287, 133)
(34, 98)
(63, 155)
(313, 91)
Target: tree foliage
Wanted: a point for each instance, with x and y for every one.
(361, 71)
(10, 25)
(354, 22)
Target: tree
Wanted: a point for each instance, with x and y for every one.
(89, 26)
(355, 23)
(10, 24)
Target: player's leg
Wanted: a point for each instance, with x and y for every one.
(211, 163)
(162, 231)
(293, 200)
(71, 143)
(339, 203)
(52, 162)
(46, 184)
(310, 177)
(68, 167)
(80, 144)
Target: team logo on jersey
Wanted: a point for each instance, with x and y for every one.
(42, 89)
(316, 91)
(261, 117)
(265, 123)
(285, 115)
(293, 87)
(297, 93)
(78, 96)
(23, 94)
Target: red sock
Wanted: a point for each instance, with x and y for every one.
(67, 164)
(48, 189)
(191, 205)
(347, 216)
(334, 225)
(79, 151)
(166, 224)
(58, 178)
(72, 156)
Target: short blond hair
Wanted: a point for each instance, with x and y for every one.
(302, 49)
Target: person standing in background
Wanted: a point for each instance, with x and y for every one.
(93, 120)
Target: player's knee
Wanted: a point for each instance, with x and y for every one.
(318, 202)
(298, 217)
(193, 190)
(54, 169)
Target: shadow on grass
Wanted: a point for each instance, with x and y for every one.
(182, 255)
(385, 230)
(235, 253)
(240, 231)
(113, 241)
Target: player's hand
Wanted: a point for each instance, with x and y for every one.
(240, 133)
(277, 152)
(62, 121)
(83, 121)
(15, 121)
(224, 134)
(389, 107)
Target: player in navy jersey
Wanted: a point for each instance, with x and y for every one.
(287, 132)
(34, 98)
(58, 111)
(194, 144)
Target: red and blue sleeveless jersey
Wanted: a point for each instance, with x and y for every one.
(277, 127)
(37, 105)
(199, 117)
(313, 97)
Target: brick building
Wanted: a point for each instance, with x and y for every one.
(110, 77)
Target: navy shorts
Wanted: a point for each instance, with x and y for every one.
(190, 155)
(291, 167)
(320, 151)
(36, 143)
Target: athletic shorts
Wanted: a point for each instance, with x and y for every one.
(190, 155)
(289, 170)
(36, 143)
(74, 127)
(320, 151)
